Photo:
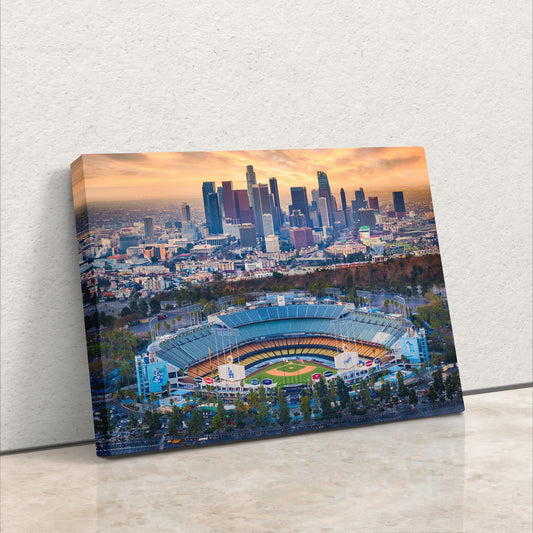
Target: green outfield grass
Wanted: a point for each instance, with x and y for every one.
(289, 373)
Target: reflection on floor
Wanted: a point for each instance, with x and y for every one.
(464, 472)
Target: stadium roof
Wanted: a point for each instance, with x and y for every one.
(227, 331)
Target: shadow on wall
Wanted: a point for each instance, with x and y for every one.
(48, 369)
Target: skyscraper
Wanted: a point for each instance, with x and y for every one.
(347, 220)
(343, 201)
(148, 229)
(302, 238)
(250, 182)
(261, 198)
(208, 187)
(268, 224)
(367, 217)
(272, 244)
(399, 203)
(315, 197)
(277, 214)
(185, 212)
(242, 206)
(229, 201)
(248, 235)
(324, 191)
(324, 214)
(300, 203)
(323, 180)
(220, 193)
(360, 198)
(215, 218)
(373, 203)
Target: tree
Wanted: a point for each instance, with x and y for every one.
(385, 391)
(365, 394)
(342, 392)
(196, 422)
(143, 307)
(402, 389)
(450, 387)
(438, 382)
(220, 409)
(153, 398)
(175, 421)
(217, 423)
(261, 392)
(240, 414)
(155, 306)
(151, 423)
(325, 406)
(305, 406)
(125, 311)
(132, 421)
(284, 416)
(413, 398)
(431, 394)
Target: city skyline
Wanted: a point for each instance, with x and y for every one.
(131, 177)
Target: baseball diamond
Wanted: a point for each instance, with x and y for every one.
(290, 373)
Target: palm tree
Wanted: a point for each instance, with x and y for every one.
(153, 399)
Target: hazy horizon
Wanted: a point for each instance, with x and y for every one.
(179, 175)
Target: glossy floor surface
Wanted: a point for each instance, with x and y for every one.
(466, 472)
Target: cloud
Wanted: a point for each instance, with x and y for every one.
(180, 174)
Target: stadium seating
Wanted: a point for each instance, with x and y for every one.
(276, 332)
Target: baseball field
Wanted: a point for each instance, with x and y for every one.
(289, 373)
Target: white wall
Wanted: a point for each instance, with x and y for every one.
(92, 77)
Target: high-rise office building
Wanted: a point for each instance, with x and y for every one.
(261, 198)
(268, 224)
(148, 229)
(323, 180)
(367, 217)
(215, 218)
(208, 187)
(250, 182)
(248, 235)
(220, 192)
(297, 219)
(272, 244)
(399, 203)
(340, 218)
(360, 201)
(324, 214)
(314, 216)
(315, 198)
(355, 211)
(276, 212)
(373, 203)
(242, 206)
(324, 191)
(229, 201)
(302, 238)
(300, 203)
(344, 206)
(185, 212)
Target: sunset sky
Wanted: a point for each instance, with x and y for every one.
(116, 177)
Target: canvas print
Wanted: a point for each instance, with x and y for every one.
(250, 294)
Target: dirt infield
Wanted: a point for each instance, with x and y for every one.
(302, 370)
(290, 372)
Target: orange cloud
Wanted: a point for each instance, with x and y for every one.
(115, 177)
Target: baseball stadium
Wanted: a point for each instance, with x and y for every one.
(283, 340)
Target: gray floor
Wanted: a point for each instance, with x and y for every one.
(468, 472)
